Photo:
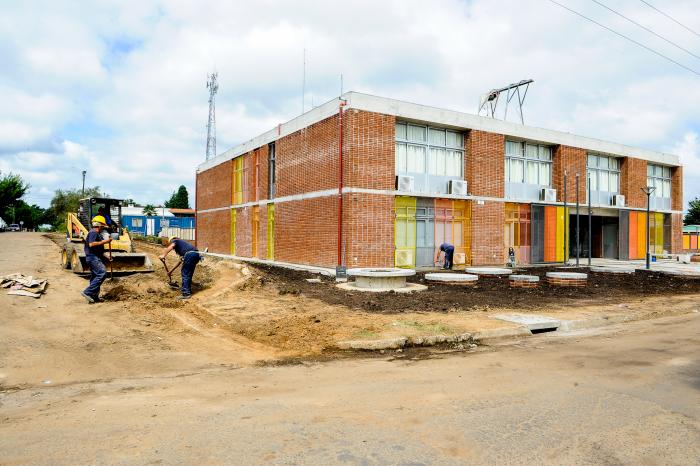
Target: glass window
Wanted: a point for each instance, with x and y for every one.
(660, 178)
(416, 133)
(614, 182)
(544, 174)
(532, 172)
(437, 137)
(401, 131)
(455, 139)
(415, 159)
(528, 163)
(400, 157)
(604, 173)
(594, 180)
(516, 171)
(603, 180)
(514, 148)
(667, 172)
(667, 188)
(592, 161)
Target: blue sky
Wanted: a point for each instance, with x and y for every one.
(117, 88)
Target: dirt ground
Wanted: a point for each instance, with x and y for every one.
(259, 313)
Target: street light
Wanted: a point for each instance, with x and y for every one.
(648, 190)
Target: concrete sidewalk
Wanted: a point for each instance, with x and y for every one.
(463, 329)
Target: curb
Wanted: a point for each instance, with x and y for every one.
(403, 342)
(502, 333)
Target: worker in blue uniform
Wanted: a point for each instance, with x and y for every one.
(448, 250)
(189, 255)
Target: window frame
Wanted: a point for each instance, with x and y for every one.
(538, 160)
(597, 169)
(662, 178)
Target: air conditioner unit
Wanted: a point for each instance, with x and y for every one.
(404, 258)
(404, 183)
(458, 187)
(459, 258)
(618, 200)
(548, 195)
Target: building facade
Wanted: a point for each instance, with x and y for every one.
(366, 181)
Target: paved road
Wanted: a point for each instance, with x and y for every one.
(630, 395)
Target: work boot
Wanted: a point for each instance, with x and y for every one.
(88, 298)
(183, 297)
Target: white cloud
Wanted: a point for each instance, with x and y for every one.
(117, 87)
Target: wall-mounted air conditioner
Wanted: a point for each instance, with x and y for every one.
(404, 258)
(618, 200)
(404, 183)
(548, 195)
(458, 187)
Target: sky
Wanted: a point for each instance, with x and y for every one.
(118, 88)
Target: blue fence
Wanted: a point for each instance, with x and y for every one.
(142, 225)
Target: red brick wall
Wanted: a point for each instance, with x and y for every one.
(213, 187)
(488, 220)
(369, 150)
(676, 233)
(214, 231)
(573, 160)
(368, 230)
(633, 177)
(485, 163)
(244, 236)
(306, 231)
(677, 188)
(308, 159)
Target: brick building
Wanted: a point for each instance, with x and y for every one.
(403, 178)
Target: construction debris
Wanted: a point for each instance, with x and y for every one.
(21, 285)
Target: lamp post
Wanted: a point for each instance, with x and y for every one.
(83, 191)
(648, 190)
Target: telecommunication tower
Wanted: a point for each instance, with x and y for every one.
(213, 86)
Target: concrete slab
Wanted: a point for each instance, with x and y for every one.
(407, 288)
(524, 278)
(567, 275)
(451, 277)
(488, 271)
(531, 322)
(621, 270)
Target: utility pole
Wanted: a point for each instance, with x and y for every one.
(213, 87)
(83, 191)
(648, 190)
(577, 223)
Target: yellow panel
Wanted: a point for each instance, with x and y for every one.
(255, 228)
(560, 235)
(405, 232)
(641, 235)
(686, 242)
(271, 231)
(233, 232)
(659, 233)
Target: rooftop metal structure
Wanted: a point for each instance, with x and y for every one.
(489, 101)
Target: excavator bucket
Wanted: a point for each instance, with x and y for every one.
(131, 262)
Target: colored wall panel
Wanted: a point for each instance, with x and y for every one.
(694, 242)
(255, 228)
(658, 233)
(271, 231)
(561, 220)
(686, 241)
(405, 232)
(634, 218)
(641, 235)
(233, 232)
(550, 234)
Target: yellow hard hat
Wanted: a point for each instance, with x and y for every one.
(170, 239)
(99, 219)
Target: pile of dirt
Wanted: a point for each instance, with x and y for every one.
(490, 292)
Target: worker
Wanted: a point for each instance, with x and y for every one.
(105, 213)
(94, 254)
(189, 255)
(448, 250)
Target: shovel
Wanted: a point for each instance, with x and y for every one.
(170, 272)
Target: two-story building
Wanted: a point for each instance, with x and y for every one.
(366, 181)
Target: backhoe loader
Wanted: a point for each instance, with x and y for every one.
(124, 258)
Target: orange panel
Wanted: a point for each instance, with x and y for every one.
(633, 236)
(550, 234)
(693, 241)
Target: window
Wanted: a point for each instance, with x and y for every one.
(660, 178)
(237, 181)
(271, 166)
(431, 155)
(528, 163)
(136, 222)
(421, 149)
(604, 173)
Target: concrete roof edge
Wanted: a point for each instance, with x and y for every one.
(425, 113)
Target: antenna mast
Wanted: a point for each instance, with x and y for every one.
(489, 101)
(213, 87)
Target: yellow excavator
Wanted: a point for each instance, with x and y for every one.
(124, 257)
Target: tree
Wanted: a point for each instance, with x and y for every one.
(12, 188)
(693, 215)
(65, 201)
(179, 200)
(129, 201)
(149, 210)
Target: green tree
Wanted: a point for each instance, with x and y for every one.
(68, 200)
(149, 210)
(12, 188)
(693, 215)
(179, 200)
(129, 201)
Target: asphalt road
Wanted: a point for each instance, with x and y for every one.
(630, 395)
